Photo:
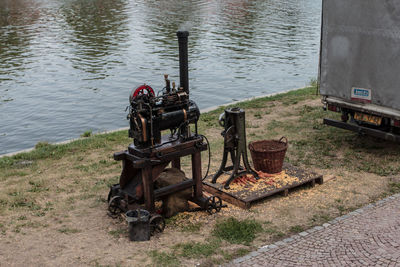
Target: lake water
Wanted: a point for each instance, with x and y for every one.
(68, 66)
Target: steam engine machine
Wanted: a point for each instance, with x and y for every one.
(151, 152)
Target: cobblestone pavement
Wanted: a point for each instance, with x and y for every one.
(369, 236)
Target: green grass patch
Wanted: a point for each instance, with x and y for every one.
(164, 259)
(22, 218)
(394, 187)
(37, 186)
(240, 252)
(42, 145)
(87, 133)
(11, 173)
(192, 227)
(273, 230)
(237, 232)
(117, 233)
(35, 225)
(2, 229)
(198, 250)
(67, 230)
(258, 115)
(318, 219)
(210, 119)
(44, 150)
(291, 97)
(296, 229)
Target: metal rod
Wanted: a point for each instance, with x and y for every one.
(183, 60)
(363, 130)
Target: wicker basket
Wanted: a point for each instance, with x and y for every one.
(268, 155)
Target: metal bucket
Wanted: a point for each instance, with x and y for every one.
(139, 226)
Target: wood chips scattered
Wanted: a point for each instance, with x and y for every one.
(266, 181)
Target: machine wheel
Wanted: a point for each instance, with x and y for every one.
(214, 204)
(114, 205)
(140, 91)
(114, 189)
(157, 224)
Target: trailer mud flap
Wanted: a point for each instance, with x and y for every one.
(363, 130)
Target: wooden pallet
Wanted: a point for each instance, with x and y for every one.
(244, 196)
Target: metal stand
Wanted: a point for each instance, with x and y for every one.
(141, 167)
(233, 121)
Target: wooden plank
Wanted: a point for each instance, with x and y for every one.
(167, 147)
(128, 173)
(196, 174)
(273, 192)
(244, 199)
(285, 192)
(120, 155)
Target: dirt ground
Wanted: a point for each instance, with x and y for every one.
(54, 211)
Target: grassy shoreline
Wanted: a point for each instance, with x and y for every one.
(89, 133)
(59, 191)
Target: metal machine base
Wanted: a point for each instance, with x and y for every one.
(142, 167)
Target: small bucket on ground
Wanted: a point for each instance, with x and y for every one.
(139, 226)
(268, 155)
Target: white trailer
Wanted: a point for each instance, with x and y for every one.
(359, 72)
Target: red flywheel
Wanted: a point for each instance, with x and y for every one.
(141, 90)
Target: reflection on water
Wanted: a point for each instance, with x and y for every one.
(67, 66)
(97, 30)
(15, 38)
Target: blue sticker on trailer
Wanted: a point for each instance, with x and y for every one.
(361, 94)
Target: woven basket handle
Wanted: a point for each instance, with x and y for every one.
(283, 137)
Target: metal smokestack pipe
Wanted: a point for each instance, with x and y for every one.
(183, 60)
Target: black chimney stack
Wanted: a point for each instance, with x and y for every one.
(183, 60)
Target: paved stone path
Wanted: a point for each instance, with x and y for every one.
(369, 236)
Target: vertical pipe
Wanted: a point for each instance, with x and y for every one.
(183, 60)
